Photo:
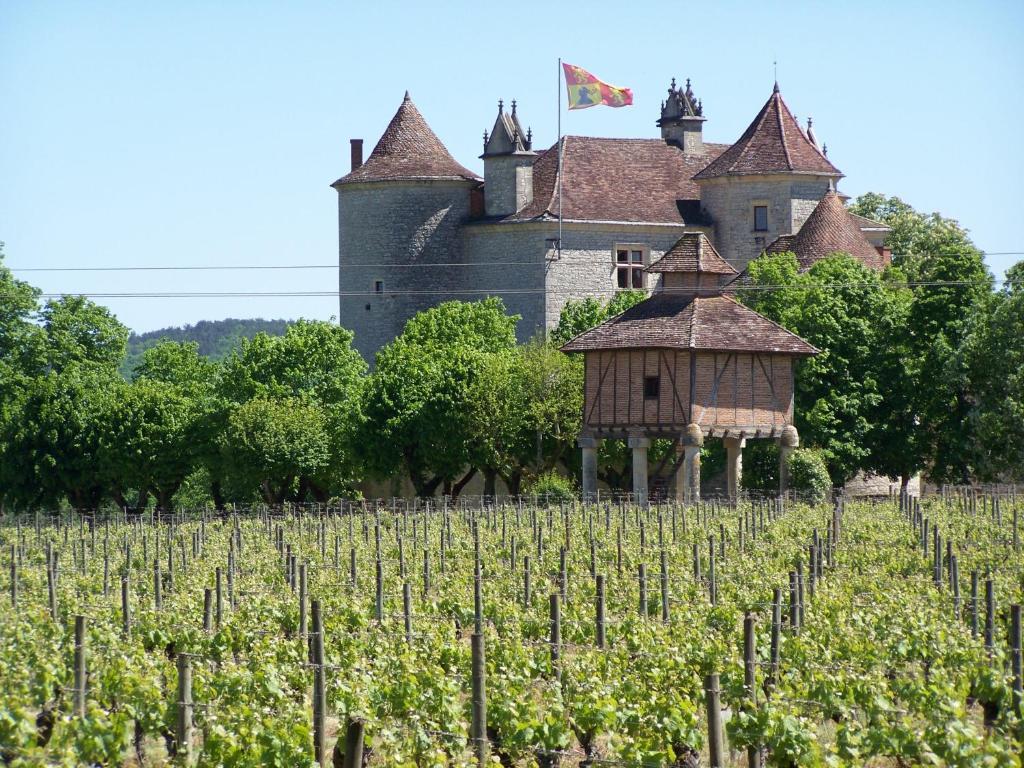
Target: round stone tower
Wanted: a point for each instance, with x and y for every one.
(765, 185)
(399, 218)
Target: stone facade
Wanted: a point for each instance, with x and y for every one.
(730, 201)
(416, 228)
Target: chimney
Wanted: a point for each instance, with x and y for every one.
(357, 153)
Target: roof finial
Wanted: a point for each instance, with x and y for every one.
(485, 138)
(513, 106)
(529, 135)
(775, 88)
(501, 106)
(672, 87)
(775, 76)
(407, 97)
(824, 150)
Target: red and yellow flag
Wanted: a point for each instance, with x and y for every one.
(584, 90)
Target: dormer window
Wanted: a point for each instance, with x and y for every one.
(630, 261)
(760, 218)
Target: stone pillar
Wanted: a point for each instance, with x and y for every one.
(789, 441)
(640, 446)
(693, 439)
(734, 464)
(589, 446)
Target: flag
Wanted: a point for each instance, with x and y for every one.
(584, 90)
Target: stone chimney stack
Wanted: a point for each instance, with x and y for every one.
(682, 119)
(357, 153)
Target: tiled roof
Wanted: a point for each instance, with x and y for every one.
(685, 321)
(409, 149)
(773, 143)
(828, 229)
(692, 252)
(635, 180)
(869, 224)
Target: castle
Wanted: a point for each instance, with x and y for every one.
(417, 228)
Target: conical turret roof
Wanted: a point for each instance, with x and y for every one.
(772, 143)
(693, 253)
(409, 149)
(828, 229)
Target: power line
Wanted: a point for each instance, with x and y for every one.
(506, 291)
(392, 265)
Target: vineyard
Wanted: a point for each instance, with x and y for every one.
(766, 633)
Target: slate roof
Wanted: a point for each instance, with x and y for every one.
(772, 143)
(828, 229)
(685, 321)
(634, 180)
(692, 252)
(409, 149)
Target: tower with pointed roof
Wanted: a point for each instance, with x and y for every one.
(404, 206)
(766, 184)
(682, 119)
(508, 164)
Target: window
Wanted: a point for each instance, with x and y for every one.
(630, 261)
(651, 385)
(760, 218)
(378, 286)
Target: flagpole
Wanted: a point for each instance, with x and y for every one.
(559, 157)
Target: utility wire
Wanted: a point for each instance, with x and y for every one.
(391, 265)
(505, 291)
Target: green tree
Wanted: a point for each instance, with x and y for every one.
(277, 445)
(147, 441)
(950, 285)
(844, 309)
(417, 400)
(80, 331)
(993, 356)
(313, 363)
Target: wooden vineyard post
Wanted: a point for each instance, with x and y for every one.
(664, 587)
(526, 581)
(379, 604)
(479, 692)
(183, 720)
(79, 701)
(716, 742)
(14, 577)
(696, 564)
(794, 609)
(773, 669)
(158, 600)
(303, 600)
(1015, 659)
(990, 616)
(353, 744)
(51, 584)
(126, 606)
(750, 679)
(712, 583)
(319, 686)
(426, 572)
(600, 631)
(954, 584)
(407, 611)
(556, 631)
(352, 567)
(642, 578)
(219, 588)
(974, 603)
(207, 609)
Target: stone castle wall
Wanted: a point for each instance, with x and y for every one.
(403, 223)
(730, 201)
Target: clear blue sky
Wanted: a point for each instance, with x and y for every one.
(199, 133)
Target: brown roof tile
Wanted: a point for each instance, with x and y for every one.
(692, 252)
(772, 143)
(828, 229)
(685, 321)
(636, 180)
(409, 149)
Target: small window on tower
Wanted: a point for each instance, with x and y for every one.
(760, 218)
(651, 387)
(378, 286)
(629, 267)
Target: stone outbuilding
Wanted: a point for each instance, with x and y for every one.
(688, 363)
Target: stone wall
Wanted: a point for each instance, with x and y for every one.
(415, 224)
(730, 201)
(508, 183)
